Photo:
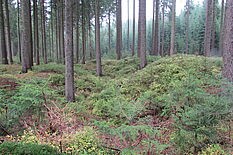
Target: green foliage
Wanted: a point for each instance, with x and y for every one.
(57, 79)
(84, 142)
(214, 149)
(12, 148)
(54, 68)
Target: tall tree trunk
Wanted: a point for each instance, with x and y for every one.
(228, 42)
(213, 25)
(2, 35)
(119, 30)
(163, 30)
(18, 31)
(97, 39)
(109, 30)
(83, 33)
(69, 64)
(142, 33)
(221, 28)
(133, 43)
(156, 30)
(36, 36)
(153, 29)
(187, 27)
(8, 32)
(52, 30)
(26, 35)
(76, 42)
(43, 21)
(128, 42)
(208, 28)
(173, 29)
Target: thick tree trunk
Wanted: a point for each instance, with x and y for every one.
(133, 43)
(173, 29)
(208, 28)
(26, 35)
(142, 33)
(69, 73)
(2, 36)
(119, 30)
(97, 40)
(36, 36)
(8, 32)
(228, 42)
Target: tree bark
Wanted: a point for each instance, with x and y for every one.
(119, 30)
(69, 65)
(173, 29)
(2, 35)
(142, 33)
(43, 29)
(26, 35)
(8, 32)
(77, 18)
(163, 29)
(133, 43)
(228, 42)
(36, 36)
(18, 32)
(208, 28)
(221, 28)
(156, 30)
(97, 39)
(187, 27)
(83, 33)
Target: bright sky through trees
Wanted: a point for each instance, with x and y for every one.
(180, 5)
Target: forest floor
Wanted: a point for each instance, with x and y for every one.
(176, 105)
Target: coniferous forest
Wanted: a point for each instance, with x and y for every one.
(109, 77)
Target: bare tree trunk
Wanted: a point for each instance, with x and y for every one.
(187, 27)
(156, 30)
(36, 36)
(228, 42)
(208, 28)
(213, 25)
(119, 30)
(221, 28)
(77, 18)
(153, 29)
(52, 31)
(173, 30)
(26, 35)
(128, 42)
(109, 30)
(2, 36)
(163, 31)
(97, 40)
(18, 32)
(83, 33)
(8, 32)
(142, 33)
(133, 44)
(43, 20)
(69, 73)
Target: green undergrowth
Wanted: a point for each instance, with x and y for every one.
(124, 104)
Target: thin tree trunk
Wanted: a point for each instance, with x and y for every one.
(163, 31)
(97, 40)
(2, 35)
(8, 32)
(173, 29)
(36, 36)
(18, 32)
(119, 30)
(83, 33)
(133, 43)
(43, 20)
(52, 31)
(153, 29)
(142, 33)
(69, 69)
(187, 27)
(77, 18)
(109, 30)
(221, 29)
(128, 42)
(213, 25)
(156, 30)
